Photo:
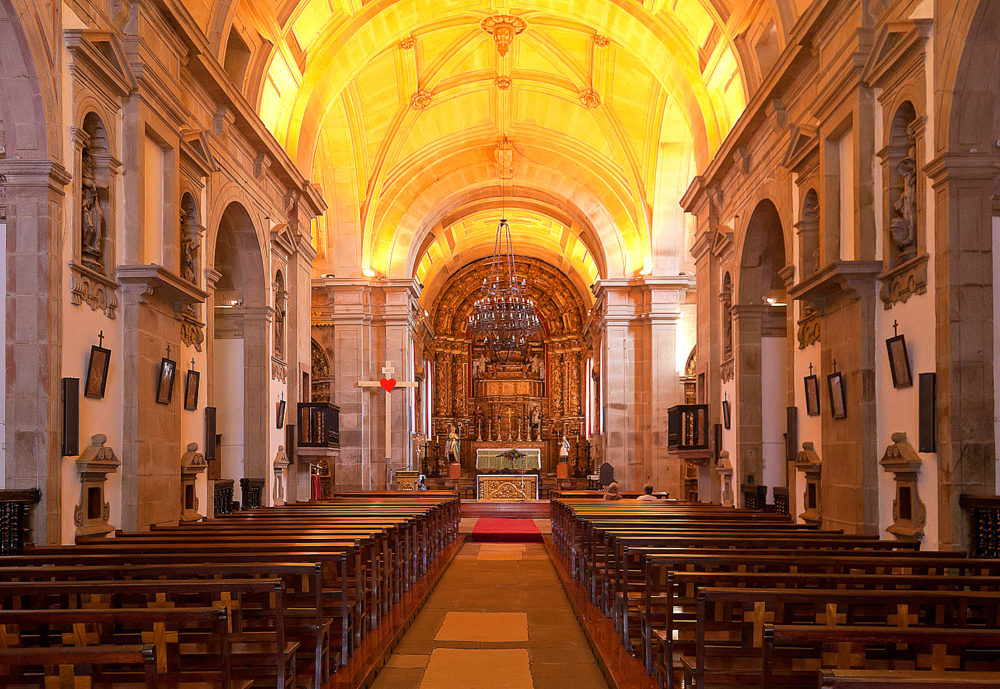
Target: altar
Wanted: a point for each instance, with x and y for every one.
(507, 487)
(494, 457)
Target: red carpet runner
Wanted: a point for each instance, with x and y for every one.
(499, 530)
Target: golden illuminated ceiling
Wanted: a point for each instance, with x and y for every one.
(399, 109)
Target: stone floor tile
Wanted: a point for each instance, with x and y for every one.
(483, 626)
(477, 669)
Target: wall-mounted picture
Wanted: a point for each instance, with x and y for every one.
(838, 396)
(812, 395)
(726, 414)
(97, 372)
(165, 383)
(280, 417)
(899, 362)
(192, 381)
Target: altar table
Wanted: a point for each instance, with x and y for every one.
(507, 487)
(491, 460)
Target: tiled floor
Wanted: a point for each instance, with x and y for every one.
(498, 619)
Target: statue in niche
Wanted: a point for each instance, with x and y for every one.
(536, 367)
(279, 324)
(451, 446)
(536, 423)
(189, 247)
(727, 325)
(479, 366)
(903, 225)
(92, 222)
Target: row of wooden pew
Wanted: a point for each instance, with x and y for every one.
(708, 596)
(279, 597)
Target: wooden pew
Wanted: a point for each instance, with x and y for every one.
(906, 679)
(58, 666)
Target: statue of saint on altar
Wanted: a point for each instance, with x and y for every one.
(536, 423)
(564, 449)
(451, 445)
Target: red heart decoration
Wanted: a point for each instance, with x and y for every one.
(387, 384)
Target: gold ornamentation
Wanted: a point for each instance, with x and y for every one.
(407, 43)
(503, 82)
(504, 155)
(601, 41)
(507, 488)
(420, 100)
(503, 28)
(590, 99)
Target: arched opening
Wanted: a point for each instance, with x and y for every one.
(95, 241)
(902, 242)
(809, 261)
(239, 361)
(761, 351)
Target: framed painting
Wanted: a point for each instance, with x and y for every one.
(280, 415)
(812, 395)
(97, 372)
(726, 414)
(838, 396)
(192, 381)
(899, 362)
(165, 381)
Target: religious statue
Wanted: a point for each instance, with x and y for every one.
(536, 423)
(479, 366)
(279, 324)
(536, 367)
(564, 449)
(451, 447)
(903, 225)
(92, 222)
(189, 247)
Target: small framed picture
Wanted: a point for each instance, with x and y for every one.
(838, 396)
(726, 417)
(280, 414)
(899, 362)
(165, 383)
(97, 372)
(812, 395)
(192, 381)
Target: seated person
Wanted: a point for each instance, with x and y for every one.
(611, 492)
(420, 483)
(647, 494)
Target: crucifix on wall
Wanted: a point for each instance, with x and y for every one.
(387, 383)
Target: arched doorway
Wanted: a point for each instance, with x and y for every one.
(760, 325)
(239, 348)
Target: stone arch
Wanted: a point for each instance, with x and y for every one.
(26, 84)
(761, 350)
(239, 353)
(964, 179)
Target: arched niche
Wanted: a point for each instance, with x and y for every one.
(94, 244)
(280, 306)
(761, 351)
(726, 304)
(241, 322)
(809, 259)
(322, 374)
(190, 239)
(903, 239)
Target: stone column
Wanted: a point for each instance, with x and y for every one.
(34, 227)
(256, 382)
(747, 332)
(399, 310)
(963, 270)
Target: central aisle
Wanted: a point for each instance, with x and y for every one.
(498, 619)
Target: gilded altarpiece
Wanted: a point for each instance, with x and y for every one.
(528, 402)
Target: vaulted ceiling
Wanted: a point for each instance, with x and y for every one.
(421, 121)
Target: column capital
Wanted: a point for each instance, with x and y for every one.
(23, 173)
(965, 166)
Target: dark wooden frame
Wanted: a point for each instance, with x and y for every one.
(70, 417)
(811, 384)
(900, 378)
(927, 413)
(717, 440)
(280, 415)
(165, 381)
(191, 379)
(726, 414)
(836, 378)
(91, 388)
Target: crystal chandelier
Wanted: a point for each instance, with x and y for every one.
(503, 317)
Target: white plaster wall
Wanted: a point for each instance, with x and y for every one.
(774, 374)
(229, 400)
(810, 427)
(193, 422)
(729, 436)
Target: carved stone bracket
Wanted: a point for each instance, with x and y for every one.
(809, 328)
(728, 370)
(279, 370)
(837, 282)
(94, 464)
(97, 291)
(809, 463)
(192, 330)
(192, 464)
(908, 512)
(903, 281)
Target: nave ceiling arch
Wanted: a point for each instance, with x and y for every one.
(396, 109)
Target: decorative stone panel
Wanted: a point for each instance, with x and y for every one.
(810, 327)
(93, 289)
(94, 464)
(903, 281)
(909, 514)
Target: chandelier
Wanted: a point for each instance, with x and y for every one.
(503, 317)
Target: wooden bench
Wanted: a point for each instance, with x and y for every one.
(40, 668)
(906, 679)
